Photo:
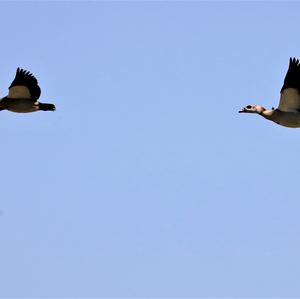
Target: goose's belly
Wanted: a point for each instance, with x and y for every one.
(288, 125)
(21, 105)
(289, 119)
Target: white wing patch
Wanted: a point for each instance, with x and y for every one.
(289, 100)
(19, 92)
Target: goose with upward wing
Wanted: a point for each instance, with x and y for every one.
(288, 112)
(23, 95)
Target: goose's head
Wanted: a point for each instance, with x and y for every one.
(253, 109)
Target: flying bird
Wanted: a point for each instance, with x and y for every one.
(23, 95)
(288, 112)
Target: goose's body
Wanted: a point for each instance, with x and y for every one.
(288, 112)
(23, 95)
(286, 119)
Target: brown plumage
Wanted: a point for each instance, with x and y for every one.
(23, 95)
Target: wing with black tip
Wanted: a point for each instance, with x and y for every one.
(24, 86)
(290, 91)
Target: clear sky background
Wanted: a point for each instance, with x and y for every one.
(146, 182)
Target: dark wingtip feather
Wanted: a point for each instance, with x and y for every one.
(27, 79)
(292, 78)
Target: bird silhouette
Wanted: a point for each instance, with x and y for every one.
(23, 95)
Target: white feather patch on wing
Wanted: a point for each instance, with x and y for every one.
(289, 100)
(19, 92)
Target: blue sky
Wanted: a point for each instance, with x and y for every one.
(146, 182)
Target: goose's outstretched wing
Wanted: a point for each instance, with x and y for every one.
(24, 86)
(290, 91)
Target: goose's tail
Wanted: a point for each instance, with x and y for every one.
(46, 107)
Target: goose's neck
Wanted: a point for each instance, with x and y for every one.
(268, 114)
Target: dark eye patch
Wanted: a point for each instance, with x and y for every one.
(249, 106)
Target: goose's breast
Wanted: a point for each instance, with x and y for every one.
(21, 105)
(288, 119)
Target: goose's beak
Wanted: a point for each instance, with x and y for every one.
(242, 111)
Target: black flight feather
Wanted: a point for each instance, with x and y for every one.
(25, 78)
(292, 78)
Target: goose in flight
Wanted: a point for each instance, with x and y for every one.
(288, 112)
(23, 95)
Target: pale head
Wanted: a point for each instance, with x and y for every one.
(253, 109)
